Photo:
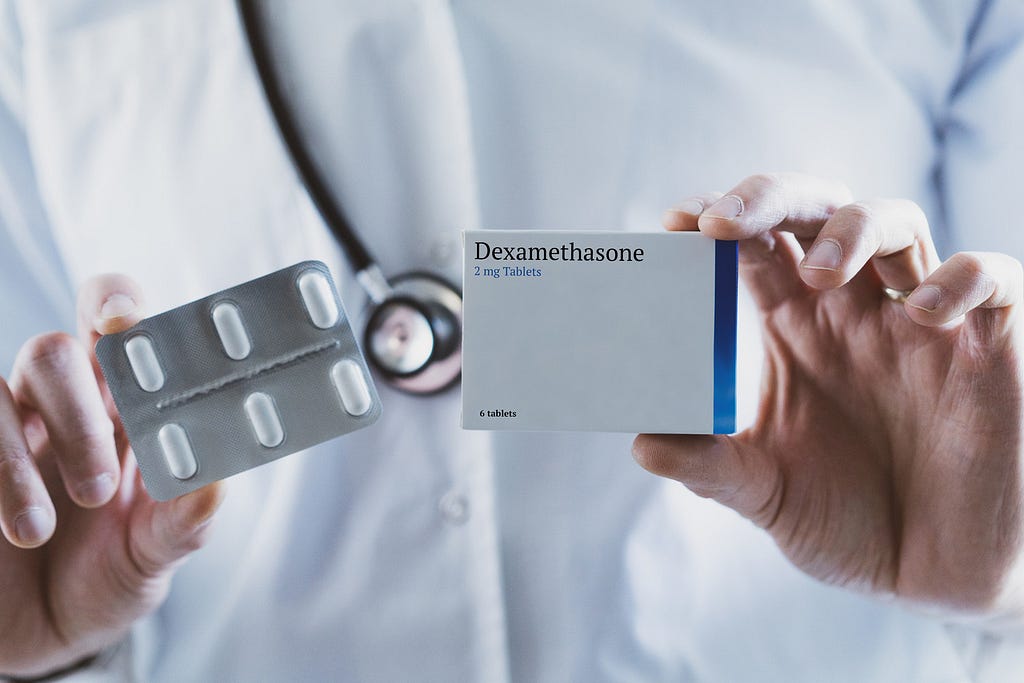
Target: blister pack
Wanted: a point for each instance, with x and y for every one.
(237, 379)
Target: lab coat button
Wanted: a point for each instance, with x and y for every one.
(441, 251)
(454, 508)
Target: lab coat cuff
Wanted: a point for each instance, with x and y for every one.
(113, 665)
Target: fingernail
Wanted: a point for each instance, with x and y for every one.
(197, 509)
(727, 207)
(97, 490)
(925, 298)
(692, 207)
(825, 255)
(117, 306)
(33, 525)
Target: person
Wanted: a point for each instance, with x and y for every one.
(880, 466)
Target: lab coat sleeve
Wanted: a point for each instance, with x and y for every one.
(34, 292)
(980, 175)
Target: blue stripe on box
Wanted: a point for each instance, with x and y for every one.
(726, 267)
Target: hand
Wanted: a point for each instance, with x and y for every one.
(87, 551)
(886, 453)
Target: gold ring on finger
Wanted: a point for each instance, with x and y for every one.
(898, 296)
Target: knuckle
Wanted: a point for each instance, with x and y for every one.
(843, 192)
(766, 512)
(763, 182)
(16, 465)
(143, 564)
(194, 541)
(184, 537)
(88, 446)
(48, 351)
(95, 438)
(707, 489)
(968, 264)
(856, 224)
(917, 216)
(859, 214)
(1016, 270)
(133, 574)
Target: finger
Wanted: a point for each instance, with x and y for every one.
(793, 202)
(683, 216)
(53, 376)
(976, 284)
(162, 533)
(768, 261)
(107, 304)
(891, 233)
(769, 267)
(723, 468)
(27, 517)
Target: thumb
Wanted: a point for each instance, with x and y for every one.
(107, 304)
(727, 469)
(162, 533)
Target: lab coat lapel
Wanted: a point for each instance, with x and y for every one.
(157, 156)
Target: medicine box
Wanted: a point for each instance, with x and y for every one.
(599, 331)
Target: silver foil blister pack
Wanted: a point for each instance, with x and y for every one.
(237, 379)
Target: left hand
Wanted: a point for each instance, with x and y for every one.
(887, 450)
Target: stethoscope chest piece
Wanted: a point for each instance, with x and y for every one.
(413, 337)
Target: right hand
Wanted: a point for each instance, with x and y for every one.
(87, 551)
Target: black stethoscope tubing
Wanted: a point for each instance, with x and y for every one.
(358, 255)
(408, 298)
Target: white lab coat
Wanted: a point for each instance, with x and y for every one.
(134, 137)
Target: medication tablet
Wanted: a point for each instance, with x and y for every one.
(145, 366)
(319, 298)
(181, 460)
(238, 379)
(233, 337)
(266, 422)
(351, 386)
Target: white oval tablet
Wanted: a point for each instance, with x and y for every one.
(178, 453)
(233, 336)
(265, 420)
(318, 298)
(145, 365)
(352, 388)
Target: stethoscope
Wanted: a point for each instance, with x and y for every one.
(413, 337)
